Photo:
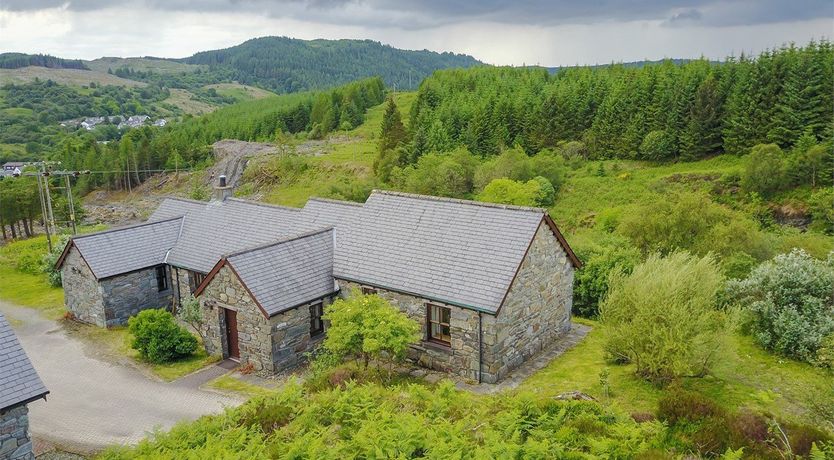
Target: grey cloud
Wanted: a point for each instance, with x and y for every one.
(432, 13)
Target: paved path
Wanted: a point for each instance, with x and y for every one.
(93, 403)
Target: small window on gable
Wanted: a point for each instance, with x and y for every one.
(367, 290)
(316, 321)
(162, 278)
(438, 324)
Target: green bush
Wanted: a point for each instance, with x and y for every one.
(789, 303)
(662, 318)
(821, 204)
(368, 327)
(449, 174)
(591, 281)
(535, 192)
(765, 170)
(51, 257)
(679, 405)
(657, 145)
(158, 338)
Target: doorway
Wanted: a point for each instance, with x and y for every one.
(231, 333)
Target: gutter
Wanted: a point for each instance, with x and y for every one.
(480, 345)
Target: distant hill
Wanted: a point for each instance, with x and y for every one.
(632, 64)
(287, 65)
(142, 64)
(19, 60)
(64, 76)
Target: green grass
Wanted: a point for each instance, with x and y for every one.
(232, 384)
(116, 341)
(744, 376)
(28, 288)
(240, 92)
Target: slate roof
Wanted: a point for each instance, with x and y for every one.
(223, 227)
(176, 207)
(456, 251)
(289, 272)
(125, 249)
(19, 383)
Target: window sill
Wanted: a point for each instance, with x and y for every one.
(431, 345)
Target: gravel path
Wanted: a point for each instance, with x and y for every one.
(93, 403)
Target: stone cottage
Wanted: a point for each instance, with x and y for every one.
(490, 284)
(19, 386)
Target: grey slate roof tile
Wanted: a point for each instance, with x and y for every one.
(289, 272)
(18, 380)
(176, 207)
(121, 250)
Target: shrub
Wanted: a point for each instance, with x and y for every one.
(657, 145)
(51, 257)
(821, 207)
(368, 327)
(158, 338)
(662, 318)
(789, 303)
(765, 170)
(448, 174)
(591, 281)
(535, 192)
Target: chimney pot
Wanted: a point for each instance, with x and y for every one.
(222, 190)
(222, 180)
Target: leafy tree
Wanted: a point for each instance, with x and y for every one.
(591, 281)
(789, 302)
(449, 174)
(535, 192)
(765, 170)
(368, 327)
(191, 312)
(662, 318)
(158, 338)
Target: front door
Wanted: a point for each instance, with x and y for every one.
(231, 334)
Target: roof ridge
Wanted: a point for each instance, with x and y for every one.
(180, 198)
(126, 227)
(441, 199)
(279, 241)
(266, 205)
(331, 200)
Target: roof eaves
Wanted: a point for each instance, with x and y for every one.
(127, 227)
(332, 201)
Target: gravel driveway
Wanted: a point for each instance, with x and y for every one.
(93, 403)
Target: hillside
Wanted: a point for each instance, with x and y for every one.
(71, 77)
(287, 65)
(142, 64)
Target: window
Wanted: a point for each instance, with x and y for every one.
(162, 277)
(195, 279)
(367, 290)
(438, 324)
(316, 323)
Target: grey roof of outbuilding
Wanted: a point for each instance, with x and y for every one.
(125, 249)
(175, 207)
(336, 213)
(19, 383)
(289, 272)
(456, 251)
(223, 227)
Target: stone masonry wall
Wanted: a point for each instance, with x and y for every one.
(14, 434)
(461, 358)
(291, 336)
(82, 292)
(128, 294)
(536, 310)
(180, 281)
(270, 345)
(225, 291)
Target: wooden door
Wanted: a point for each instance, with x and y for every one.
(231, 334)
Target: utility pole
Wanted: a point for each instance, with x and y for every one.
(71, 205)
(43, 214)
(49, 201)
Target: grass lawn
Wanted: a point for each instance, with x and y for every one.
(115, 342)
(744, 376)
(26, 288)
(235, 385)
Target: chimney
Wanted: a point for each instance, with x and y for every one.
(222, 191)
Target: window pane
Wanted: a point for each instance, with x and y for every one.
(446, 315)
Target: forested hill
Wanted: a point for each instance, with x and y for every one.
(287, 65)
(18, 60)
(655, 112)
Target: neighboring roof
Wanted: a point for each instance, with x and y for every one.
(460, 252)
(176, 207)
(222, 227)
(286, 273)
(19, 383)
(125, 249)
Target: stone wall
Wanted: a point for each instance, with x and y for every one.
(82, 292)
(535, 311)
(128, 294)
(14, 434)
(270, 345)
(461, 358)
(180, 280)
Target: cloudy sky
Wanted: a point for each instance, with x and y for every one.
(499, 32)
